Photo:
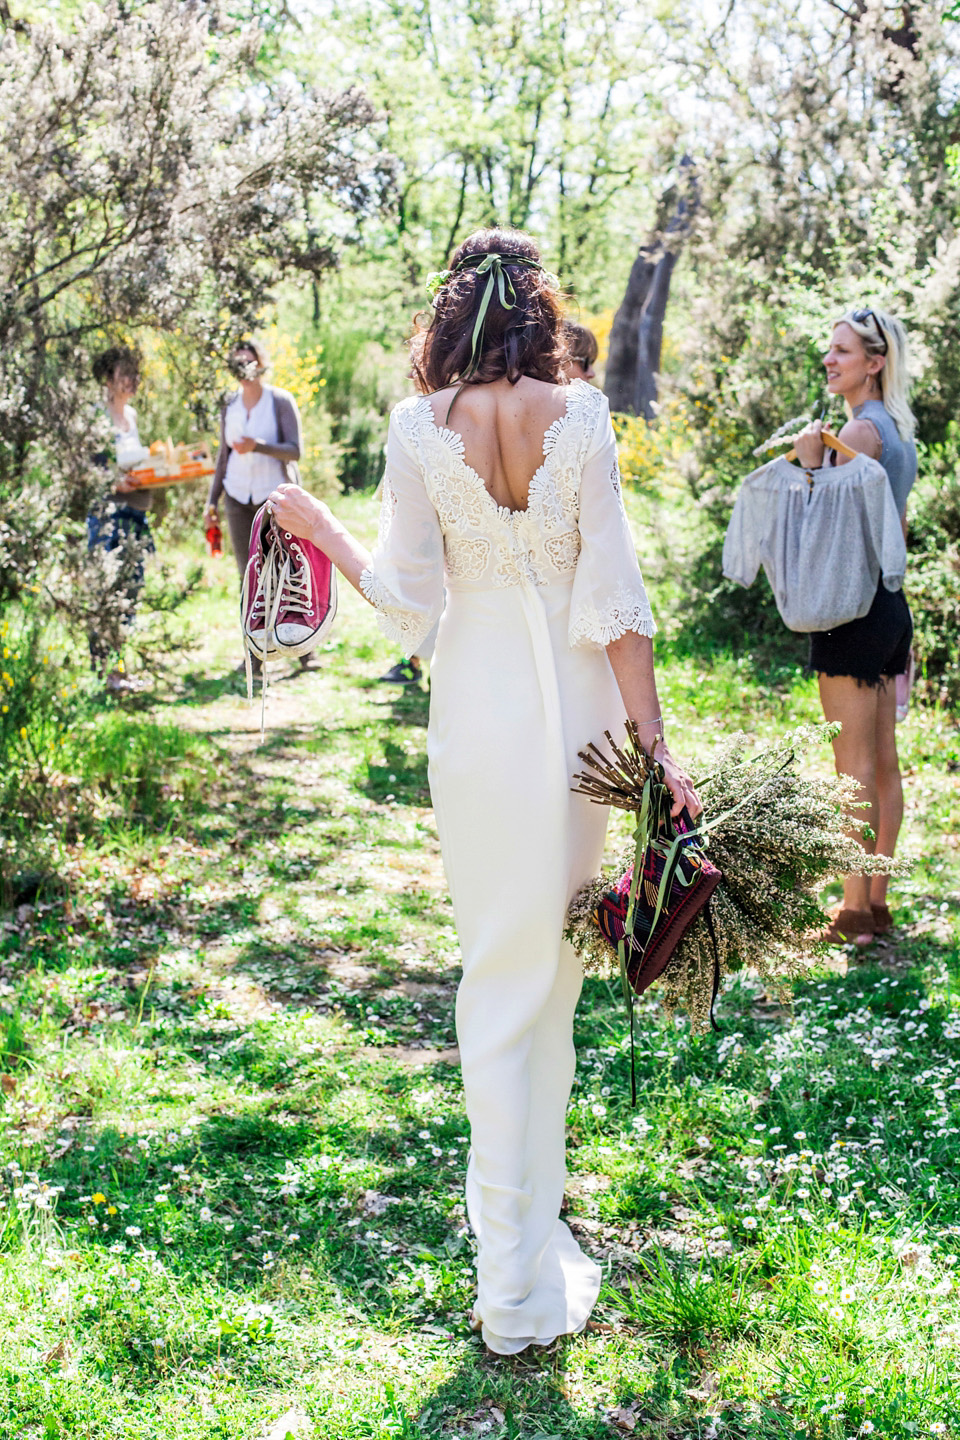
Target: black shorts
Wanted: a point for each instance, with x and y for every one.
(869, 649)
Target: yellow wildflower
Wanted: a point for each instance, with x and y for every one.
(99, 1198)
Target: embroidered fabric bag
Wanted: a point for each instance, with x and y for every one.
(674, 881)
(644, 915)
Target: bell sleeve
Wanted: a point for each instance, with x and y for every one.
(750, 538)
(741, 548)
(404, 580)
(609, 597)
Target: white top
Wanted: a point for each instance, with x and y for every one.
(824, 538)
(250, 478)
(130, 451)
(440, 526)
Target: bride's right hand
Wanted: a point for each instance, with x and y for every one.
(295, 510)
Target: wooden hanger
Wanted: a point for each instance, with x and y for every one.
(833, 441)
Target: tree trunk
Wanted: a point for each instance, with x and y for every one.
(636, 336)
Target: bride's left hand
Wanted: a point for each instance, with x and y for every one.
(301, 514)
(678, 782)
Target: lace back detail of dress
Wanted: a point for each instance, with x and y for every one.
(442, 529)
(485, 543)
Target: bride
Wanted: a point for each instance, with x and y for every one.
(509, 530)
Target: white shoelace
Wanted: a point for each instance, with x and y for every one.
(295, 587)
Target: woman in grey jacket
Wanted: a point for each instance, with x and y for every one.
(857, 663)
(260, 444)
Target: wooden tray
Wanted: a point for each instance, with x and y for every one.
(145, 478)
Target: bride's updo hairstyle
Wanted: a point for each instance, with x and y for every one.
(496, 312)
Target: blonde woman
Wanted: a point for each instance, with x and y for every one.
(857, 664)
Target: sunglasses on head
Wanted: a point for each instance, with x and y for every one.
(862, 316)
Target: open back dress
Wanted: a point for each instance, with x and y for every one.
(520, 681)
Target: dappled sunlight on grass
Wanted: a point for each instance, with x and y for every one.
(232, 1139)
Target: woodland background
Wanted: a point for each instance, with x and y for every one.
(178, 173)
(228, 1092)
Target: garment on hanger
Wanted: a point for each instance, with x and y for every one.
(824, 537)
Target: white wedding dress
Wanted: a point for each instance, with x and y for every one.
(520, 682)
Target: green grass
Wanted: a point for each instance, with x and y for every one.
(232, 1138)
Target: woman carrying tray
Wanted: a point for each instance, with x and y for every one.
(123, 519)
(857, 663)
(516, 517)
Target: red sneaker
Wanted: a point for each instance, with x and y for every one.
(288, 599)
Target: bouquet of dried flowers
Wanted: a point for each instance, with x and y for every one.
(776, 836)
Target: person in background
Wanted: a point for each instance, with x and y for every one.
(857, 663)
(124, 516)
(260, 445)
(582, 352)
(408, 670)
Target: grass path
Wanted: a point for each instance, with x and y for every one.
(232, 1142)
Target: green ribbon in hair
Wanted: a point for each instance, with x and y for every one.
(498, 283)
(492, 265)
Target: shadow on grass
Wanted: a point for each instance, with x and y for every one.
(527, 1389)
(199, 687)
(408, 706)
(401, 777)
(247, 1192)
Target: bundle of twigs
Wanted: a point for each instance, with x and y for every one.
(776, 835)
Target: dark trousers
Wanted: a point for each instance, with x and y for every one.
(240, 518)
(110, 528)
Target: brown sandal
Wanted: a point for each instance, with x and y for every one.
(849, 927)
(882, 919)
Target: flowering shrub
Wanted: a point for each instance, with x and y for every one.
(933, 576)
(155, 182)
(651, 456)
(42, 693)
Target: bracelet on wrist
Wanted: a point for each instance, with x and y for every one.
(659, 739)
